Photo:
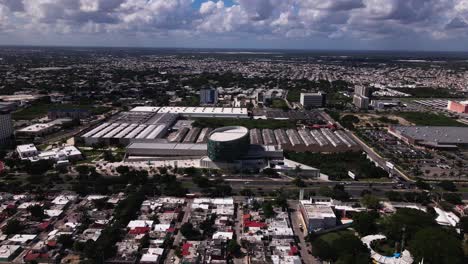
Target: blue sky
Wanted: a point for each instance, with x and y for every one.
(285, 24)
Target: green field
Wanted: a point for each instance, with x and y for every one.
(248, 123)
(39, 110)
(429, 119)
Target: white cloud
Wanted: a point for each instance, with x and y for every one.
(260, 19)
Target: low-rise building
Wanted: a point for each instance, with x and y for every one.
(317, 216)
(458, 107)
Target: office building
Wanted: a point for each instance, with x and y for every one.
(362, 90)
(208, 96)
(361, 102)
(6, 125)
(313, 99)
(458, 107)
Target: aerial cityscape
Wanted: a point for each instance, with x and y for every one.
(243, 132)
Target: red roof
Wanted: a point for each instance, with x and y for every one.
(171, 230)
(43, 225)
(52, 243)
(185, 249)
(139, 230)
(254, 224)
(246, 216)
(33, 256)
(293, 251)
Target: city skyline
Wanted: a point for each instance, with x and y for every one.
(253, 24)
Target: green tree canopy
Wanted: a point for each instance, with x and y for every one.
(436, 245)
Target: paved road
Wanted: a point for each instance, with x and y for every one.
(178, 237)
(296, 221)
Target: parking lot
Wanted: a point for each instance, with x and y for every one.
(418, 162)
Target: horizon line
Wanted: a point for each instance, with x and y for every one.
(227, 48)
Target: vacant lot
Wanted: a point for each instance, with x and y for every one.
(429, 119)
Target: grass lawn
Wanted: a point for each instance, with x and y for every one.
(330, 237)
(248, 123)
(39, 110)
(429, 119)
(279, 103)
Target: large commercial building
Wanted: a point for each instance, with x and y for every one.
(6, 125)
(221, 112)
(228, 143)
(458, 107)
(432, 137)
(309, 100)
(208, 96)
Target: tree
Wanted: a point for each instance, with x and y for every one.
(66, 241)
(406, 221)
(365, 223)
(339, 193)
(36, 212)
(325, 191)
(423, 185)
(246, 192)
(371, 202)
(189, 232)
(268, 211)
(436, 245)
(394, 196)
(12, 227)
(233, 248)
(299, 182)
(347, 248)
(448, 186)
(323, 250)
(108, 156)
(453, 198)
(463, 224)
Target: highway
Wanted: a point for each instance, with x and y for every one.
(353, 188)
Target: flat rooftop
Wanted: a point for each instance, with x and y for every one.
(36, 127)
(229, 134)
(193, 110)
(318, 211)
(437, 134)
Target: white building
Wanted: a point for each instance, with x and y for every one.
(317, 216)
(37, 130)
(313, 99)
(208, 96)
(27, 151)
(66, 153)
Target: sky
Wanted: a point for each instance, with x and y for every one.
(440, 25)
